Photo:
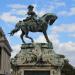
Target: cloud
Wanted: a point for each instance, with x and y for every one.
(41, 13)
(64, 28)
(18, 6)
(68, 49)
(16, 48)
(21, 12)
(48, 9)
(8, 17)
(59, 3)
(40, 39)
(51, 8)
(68, 46)
(72, 35)
(71, 12)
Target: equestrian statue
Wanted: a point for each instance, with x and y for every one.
(32, 24)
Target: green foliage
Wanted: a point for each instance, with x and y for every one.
(68, 69)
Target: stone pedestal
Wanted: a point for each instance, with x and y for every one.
(39, 58)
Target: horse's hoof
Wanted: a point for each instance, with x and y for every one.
(32, 42)
(50, 45)
(24, 42)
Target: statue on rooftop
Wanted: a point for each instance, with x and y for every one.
(32, 24)
(31, 15)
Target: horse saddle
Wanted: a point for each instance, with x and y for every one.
(38, 21)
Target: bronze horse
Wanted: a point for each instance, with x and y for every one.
(31, 26)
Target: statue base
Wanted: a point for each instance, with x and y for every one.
(38, 58)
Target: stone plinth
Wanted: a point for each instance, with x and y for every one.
(37, 57)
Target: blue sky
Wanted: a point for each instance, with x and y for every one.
(61, 33)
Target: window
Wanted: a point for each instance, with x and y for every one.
(37, 72)
(0, 57)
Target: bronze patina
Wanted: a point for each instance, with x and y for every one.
(31, 25)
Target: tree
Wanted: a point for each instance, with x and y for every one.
(67, 69)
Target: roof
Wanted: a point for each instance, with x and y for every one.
(3, 40)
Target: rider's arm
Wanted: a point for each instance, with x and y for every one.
(31, 13)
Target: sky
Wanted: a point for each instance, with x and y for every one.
(61, 33)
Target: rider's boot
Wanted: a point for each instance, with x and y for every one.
(37, 22)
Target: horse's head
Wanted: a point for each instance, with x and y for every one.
(50, 18)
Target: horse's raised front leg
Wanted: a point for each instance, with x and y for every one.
(21, 36)
(29, 37)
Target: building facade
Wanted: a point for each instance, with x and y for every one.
(5, 53)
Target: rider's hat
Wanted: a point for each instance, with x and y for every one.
(30, 7)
